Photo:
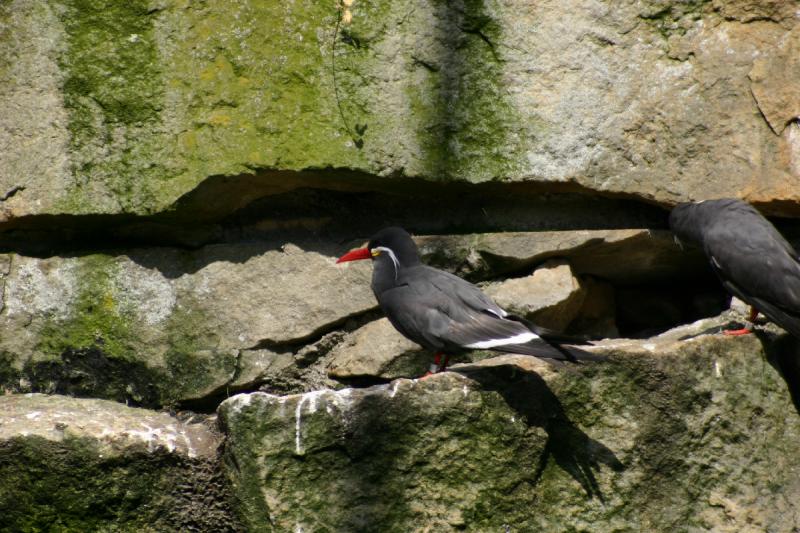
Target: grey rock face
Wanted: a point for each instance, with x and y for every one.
(162, 325)
(649, 254)
(620, 445)
(650, 99)
(774, 83)
(377, 350)
(114, 428)
(252, 136)
(551, 296)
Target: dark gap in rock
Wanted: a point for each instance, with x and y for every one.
(362, 382)
(208, 404)
(646, 310)
(329, 205)
(321, 338)
(89, 373)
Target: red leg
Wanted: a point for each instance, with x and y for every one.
(751, 317)
(444, 365)
(437, 358)
(737, 332)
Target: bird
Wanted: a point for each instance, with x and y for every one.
(749, 256)
(445, 313)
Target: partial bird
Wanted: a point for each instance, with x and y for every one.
(446, 314)
(751, 258)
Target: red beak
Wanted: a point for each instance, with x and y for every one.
(355, 255)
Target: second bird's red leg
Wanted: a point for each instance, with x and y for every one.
(751, 317)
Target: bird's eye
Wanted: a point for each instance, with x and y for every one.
(376, 253)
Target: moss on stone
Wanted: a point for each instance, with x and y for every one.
(256, 82)
(103, 348)
(671, 18)
(113, 93)
(698, 434)
(71, 486)
(464, 122)
(97, 350)
(160, 98)
(193, 366)
(383, 463)
(98, 318)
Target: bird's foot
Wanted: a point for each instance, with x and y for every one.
(437, 365)
(737, 332)
(426, 375)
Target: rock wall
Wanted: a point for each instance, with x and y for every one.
(129, 107)
(671, 435)
(178, 178)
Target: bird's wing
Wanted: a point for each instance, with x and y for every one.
(458, 290)
(459, 315)
(435, 308)
(414, 315)
(485, 331)
(755, 261)
(436, 320)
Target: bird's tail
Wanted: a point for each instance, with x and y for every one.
(551, 350)
(576, 355)
(549, 334)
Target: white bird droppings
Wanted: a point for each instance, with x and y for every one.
(311, 399)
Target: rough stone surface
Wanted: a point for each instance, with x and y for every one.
(156, 326)
(378, 350)
(550, 297)
(93, 465)
(115, 428)
(177, 178)
(128, 107)
(625, 256)
(775, 81)
(676, 432)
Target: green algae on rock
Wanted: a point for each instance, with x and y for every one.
(131, 106)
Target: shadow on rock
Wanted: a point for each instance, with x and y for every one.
(572, 449)
(783, 354)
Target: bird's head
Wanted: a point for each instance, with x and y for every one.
(685, 221)
(390, 243)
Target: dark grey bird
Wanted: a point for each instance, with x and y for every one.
(445, 313)
(752, 260)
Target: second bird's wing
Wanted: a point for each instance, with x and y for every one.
(756, 264)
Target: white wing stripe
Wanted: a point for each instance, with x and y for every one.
(491, 343)
(495, 313)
